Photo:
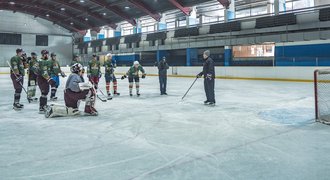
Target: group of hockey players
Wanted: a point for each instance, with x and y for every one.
(45, 73)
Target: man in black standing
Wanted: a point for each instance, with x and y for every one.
(162, 73)
(209, 75)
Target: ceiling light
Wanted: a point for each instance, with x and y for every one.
(82, 1)
(62, 9)
(12, 2)
(86, 19)
(47, 15)
(104, 14)
(126, 7)
(71, 23)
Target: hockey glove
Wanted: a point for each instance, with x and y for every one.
(19, 78)
(63, 74)
(51, 82)
(143, 76)
(123, 77)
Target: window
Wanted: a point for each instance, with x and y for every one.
(11, 39)
(41, 40)
(170, 25)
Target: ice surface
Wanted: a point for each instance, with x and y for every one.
(257, 130)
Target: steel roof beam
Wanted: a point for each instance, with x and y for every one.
(115, 10)
(146, 9)
(82, 9)
(225, 3)
(38, 14)
(48, 9)
(185, 10)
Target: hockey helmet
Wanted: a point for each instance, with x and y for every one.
(34, 54)
(136, 63)
(109, 54)
(75, 55)
(76, 68)
(43, 52)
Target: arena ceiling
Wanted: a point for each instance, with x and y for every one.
(79, 15)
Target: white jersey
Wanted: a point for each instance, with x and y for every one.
(73, 82)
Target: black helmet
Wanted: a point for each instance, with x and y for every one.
(18, 50)
(76, 68)
(52, 54)
(94, 55)
(43, 52)
(33, 54)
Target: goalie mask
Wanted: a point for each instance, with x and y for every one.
(76, 68)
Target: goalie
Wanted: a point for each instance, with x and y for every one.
(75, 91)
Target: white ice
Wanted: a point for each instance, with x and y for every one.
(257, 130)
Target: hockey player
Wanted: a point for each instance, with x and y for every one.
(75, 91)
(33, 74)
(55, 70)
(75, 60)
(44, 80)
(17, 73)
(109, 75)
(209, 75)
(133, 74)
(94, 71)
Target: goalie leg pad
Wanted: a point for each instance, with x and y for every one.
(55, 110)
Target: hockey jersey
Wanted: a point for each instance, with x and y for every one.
(109, 67)
(17, 65)
(55, 68)
(33, 66)
(93, 68)
(133, 71)
(44, 68)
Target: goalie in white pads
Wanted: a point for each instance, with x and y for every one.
(75, 91)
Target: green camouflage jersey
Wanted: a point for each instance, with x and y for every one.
(135, 71)
(109, 67)
(44, 68)
(17, 65)
(93, 68)
(33, 66)
(55, 68)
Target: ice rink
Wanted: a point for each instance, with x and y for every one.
(257, 130)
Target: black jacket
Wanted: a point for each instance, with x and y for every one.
(162, 68)
(208, 68)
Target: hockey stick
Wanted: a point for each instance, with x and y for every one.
(17, 78)
(108, 98)
(103, 100)
(189, 88)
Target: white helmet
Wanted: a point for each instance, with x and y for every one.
(109, 54)
(136, 63)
